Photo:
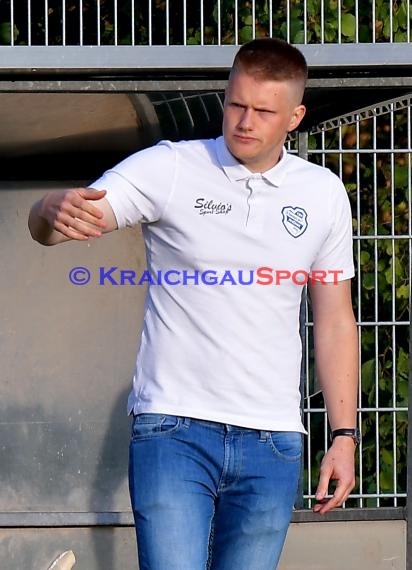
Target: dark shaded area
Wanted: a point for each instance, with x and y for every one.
(111, 471)
(181, 115)
(323, 104)
(86, 166)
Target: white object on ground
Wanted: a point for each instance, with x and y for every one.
(64, 561)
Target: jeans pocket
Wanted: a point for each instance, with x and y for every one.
(286, 445)
(146, 426)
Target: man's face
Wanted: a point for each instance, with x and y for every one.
(258, 114)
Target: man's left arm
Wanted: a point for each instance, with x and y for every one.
(336, 358)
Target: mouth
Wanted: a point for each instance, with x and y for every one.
(244, 138)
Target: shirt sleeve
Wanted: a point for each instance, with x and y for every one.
(335, 257)
(139, 187)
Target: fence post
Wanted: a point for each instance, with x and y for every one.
(303, 138)
(409, 463)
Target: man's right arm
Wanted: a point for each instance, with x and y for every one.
(78, 214)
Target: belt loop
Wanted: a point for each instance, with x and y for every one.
(186, 422)
(263, 436)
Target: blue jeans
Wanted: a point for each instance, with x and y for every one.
(210, 496)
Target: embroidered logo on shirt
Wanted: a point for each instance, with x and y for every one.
(295, 220)
(205, 206)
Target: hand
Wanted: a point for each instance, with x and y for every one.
(72, 215)
(338, 464)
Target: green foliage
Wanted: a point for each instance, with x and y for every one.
(378, 187)
(227, 21)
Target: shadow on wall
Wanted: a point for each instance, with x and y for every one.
(66, 135)
(39, 460)
(55, 136)
(43, 468)
(111, 471)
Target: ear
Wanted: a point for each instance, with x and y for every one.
(297, 115)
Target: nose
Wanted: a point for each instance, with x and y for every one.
(246, 120)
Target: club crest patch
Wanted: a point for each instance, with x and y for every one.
(295, 220)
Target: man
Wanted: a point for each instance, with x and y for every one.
(234, 228)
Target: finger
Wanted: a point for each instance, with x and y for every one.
(338, 498)
(75, 208)
(87, 228)
(82, 200)
(326, 506)
(92, 194)
(66, 221)
(79, 233)
(72, 234)
(90, 218)
(320, 506)
(323, 484)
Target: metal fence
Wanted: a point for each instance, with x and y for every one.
(204, 22)
(370, 150)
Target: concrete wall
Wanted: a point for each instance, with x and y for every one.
(35, 123)
(375, 545)
(66, 358)
(67, 354)
(309, 546)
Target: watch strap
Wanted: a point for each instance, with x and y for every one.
(354, 433)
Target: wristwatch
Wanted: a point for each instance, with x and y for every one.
(354, 433)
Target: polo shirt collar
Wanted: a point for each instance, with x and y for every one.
(235, 171)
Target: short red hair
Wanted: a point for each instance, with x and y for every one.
(272, 59)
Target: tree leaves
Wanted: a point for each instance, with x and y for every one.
(348, 25)
(316, 21)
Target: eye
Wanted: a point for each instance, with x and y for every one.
(265, 111)
(237, 105)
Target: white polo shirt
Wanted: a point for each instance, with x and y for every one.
(220, 340)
